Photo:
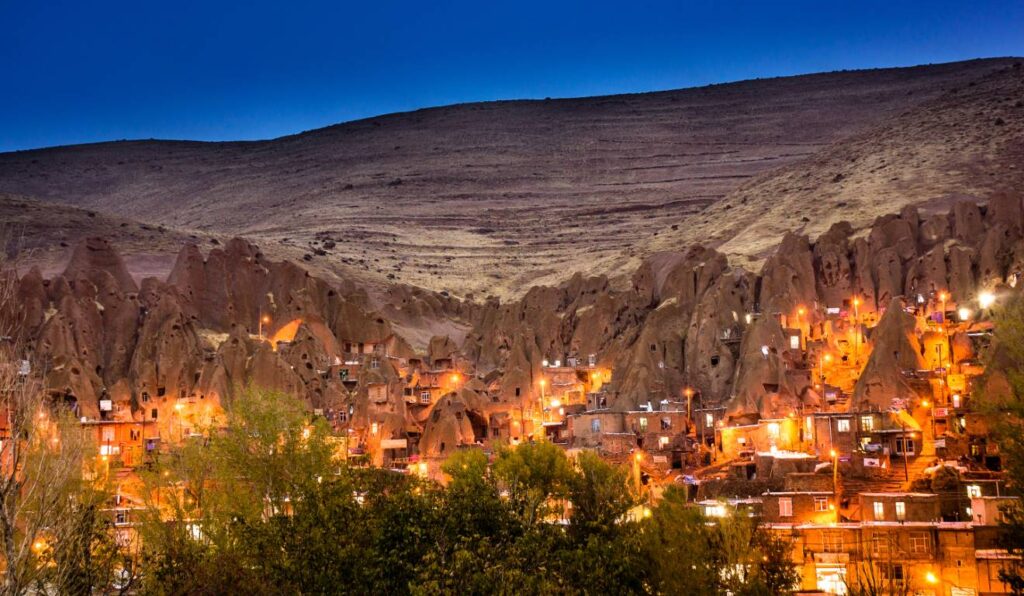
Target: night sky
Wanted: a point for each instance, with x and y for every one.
(82, 71)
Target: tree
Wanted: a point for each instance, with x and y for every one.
(54, 534)
(534, 475)
(1002, 403)
(679, 543)
(599, 495)
(217, 510)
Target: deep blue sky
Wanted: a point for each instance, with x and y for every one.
(74, 71)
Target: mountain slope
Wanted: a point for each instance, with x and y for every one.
(493, 197)
(967, 143)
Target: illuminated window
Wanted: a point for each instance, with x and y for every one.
(794, 342)
(867, 423)
(879, 511)
(973, 491)
(785, 507)
(901, 510)
(843, 425)
(809, 426)
(709, 420)
(425, 397)
(643, 424)
(956, 400)
(821, 503)
(773, 430)
(595, 425)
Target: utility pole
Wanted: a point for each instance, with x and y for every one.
(835, 481)
(906, 469)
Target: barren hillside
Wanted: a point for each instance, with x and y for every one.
(495, 197)
(967, 143)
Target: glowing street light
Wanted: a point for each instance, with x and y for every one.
(986, 299)
(931, 578)
(964, 314)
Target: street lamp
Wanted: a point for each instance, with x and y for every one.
(264, 320)
(856, 331)
(543, 382)
(986, 300)
(835, 480)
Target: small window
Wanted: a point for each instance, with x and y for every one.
(643, 424)
(145, 397)
(832, 541)
(879, 508)
(821, 503)
(153, 413)
(867, 423)
(425, 397)
(843, 425)
(595, 425)
(709, 420)
(901, 511)
(374, 364)
(517, 391)
(893, 573)
(974, 491)
(121, 517)
(920, 543)
(879, 544)
(785, 507)
(794, 342)
(714, 360)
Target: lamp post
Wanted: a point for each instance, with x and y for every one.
(821, 368)
(856, 330)
(264, 320)
(689, 401)
(835, 480)
(636, 471)
(906, 467)
(543, 382)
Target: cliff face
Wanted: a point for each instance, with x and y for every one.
(688, 319)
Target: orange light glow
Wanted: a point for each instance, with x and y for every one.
(286, 333)
(856, 301)
(266, 319)
(455, 377)
(801, 311)
(832, 454)
(543, 382)
(943, 296)
(638, 457)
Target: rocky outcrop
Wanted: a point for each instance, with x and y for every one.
(231, 318)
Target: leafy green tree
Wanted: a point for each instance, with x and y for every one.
(1002, 402)
(599, 495)
(534, 475)
(679, 543)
